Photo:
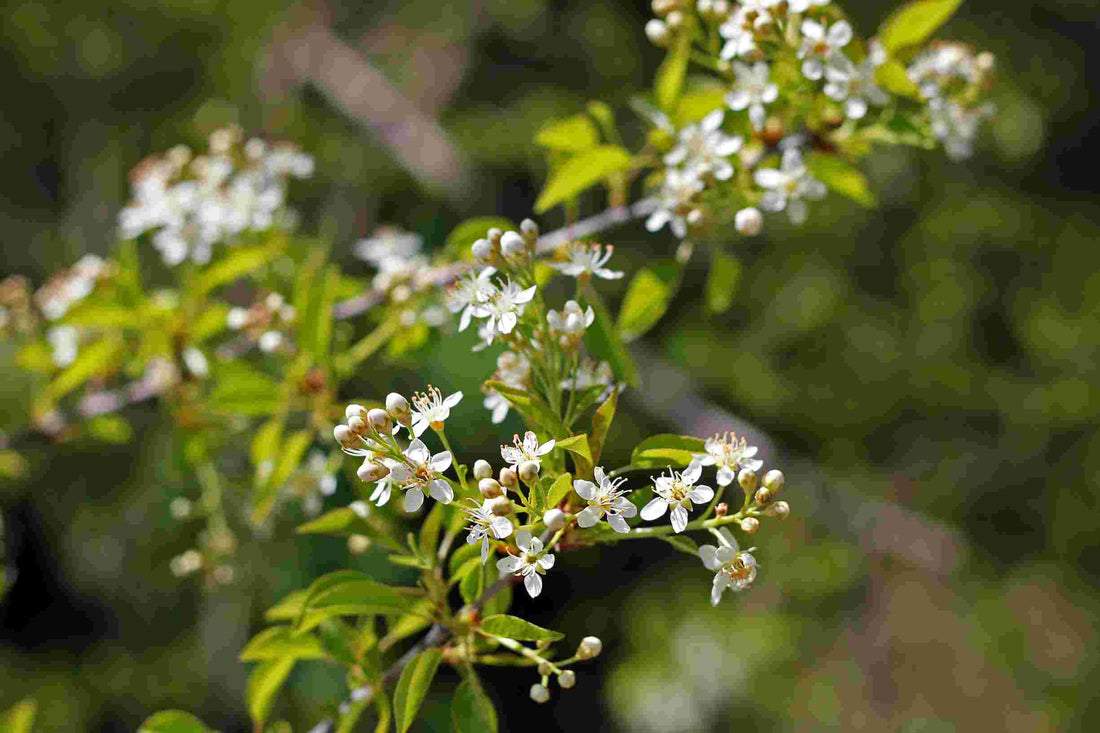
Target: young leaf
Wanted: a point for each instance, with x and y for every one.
(601, 423)
(605, 117)
(646, 301)
(172, 721)
(413, 685)
(242, 390)
(407, 625)
(559, 490)
(841, 178)
(240, 261)
(577, 445)
(20, 717)
(290, 455)
(913, 23)
(289, 608)
(429, 531)
(532, 407)
(347, 593)
(475, 582)
(670, 75)
(92, 360)
(511, 627)
(471, 710)
(581, 172)
(346, 522)
(571, 135)
(280, 641)
(666, 449)
(725, 271)
(894, 79)
(264, 684)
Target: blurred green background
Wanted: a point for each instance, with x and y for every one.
(925, 373)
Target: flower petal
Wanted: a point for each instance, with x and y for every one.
(618, 524)
(453, 400)
(599, 474)
(484, 549)
(655, 509)
(545, 448)
(442, 491)
(414, 499)
(692, 472)
(588, 517)
(547, 561)
(707, 553)
(624, 506)
(726, 476)
(679, 518)
(509, 564)
(501, 526)
(523, 538)
(533, 584)
(701, 494)
(584, 489)
(441, 461)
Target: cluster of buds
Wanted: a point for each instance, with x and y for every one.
(264, 322)
(494, 491)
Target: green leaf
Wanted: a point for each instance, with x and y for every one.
(240, 261)
(581, 172)
(290, 455)
(894, 79)
(577, 445)
(110, 429)
(474, 582)
(670, 76)
(339, 640)
(841, 178)
(666, 449)
(511, 627)
(289, 608)
(696, 104)
(460, 557)
(604, 342)
(99, 314)
(465, 234)
(408, 625)
(471, 710)
(413, 685)
(365, 347)
(531, 406)
(210, 322)
(646, 301)
(281, 641)
(572, 134)
(347, 593)
(172, 721)
(345, 522)
(559, 490)
(601, 423)
(913, 23)
(683, 544)
(263, 684)
(605, 117)
(243, 390)
(429, 530)
(93, 359)
(19, 718)
(725, 272)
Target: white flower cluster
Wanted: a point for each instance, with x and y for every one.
(265, 322)
(949, 76)
(192, 203)
(396, 254)
(68, 287)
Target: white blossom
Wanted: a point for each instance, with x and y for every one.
(678, 492)
(389, 247)
(65, 341)
(431, 409)
(587, 259)
(504, 308)
(739, 30)
(819, 45)
(527, 564)
(423, 471)
(383, 488)
(604, 497)
(196, 362)
(753, 91)
(854, 85)
(68, 287)
(484, 523)
(526, 450)
(470, 290)
(704, 148)
(513, 370)
(733, 568)
(729, 455)
(789, 186)
(571, 322)
(676, 194)
(801, 6)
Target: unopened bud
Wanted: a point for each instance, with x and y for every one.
(508, 478)
(779, 509)
(589, 648)
(750, 525)
(661, 7)
(500, 506)
(398, 408)
(675, 19)
(358, 543)
(720, 9)
(554, 519)
(355, 411)
(539, 693)
(544, 669)
(763, 496)
(344, 436)
(529, 471)
(529, 229)
(372, 471)
(482, 250)
(358, 426)
(567, 679)
(482, 469)
(773, 479)
(657, 32)
(749, 221)
(380, 420)
(489, 488)
(747, 479)
(513, 245)
(494, 235)
(722, 509)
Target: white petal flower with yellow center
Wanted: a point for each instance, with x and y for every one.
(469, 291)
(571, 322)
(704, 148)
(423, 472)
(729, 455)
(678, 492)
(526, 450)
(676, 195)
(431, 409)
(513, 370)
(483, 524)
(789, 187)
(504, 308)
(752, 92)
(587, 259)
(733, 568)
(384, 487)
(819, 45)
(528, 564)
(604, 497)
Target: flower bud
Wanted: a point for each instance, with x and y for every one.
(567, 679)
(398, 408)
(344, 436)
(508, 478)
(779, 509)
(747, 479)
(544, 669)
(539, 693)
(749, 221)
(763, 496)
(494, 235)
(482, 469)
(500, 506)
(354, 411)
(773, 480)
(662, 7)
(380, 420)
(722, 509)
(372, 471)
(489, 488)
(554, 519)
(358, 543)
(482, 250)
(657, 32)
(529, 471)
(529, 229)
(513, 245)
(720, 9)
(590, 647)
(705, 7)
(675, 19)
(358, 426)
(750, 525)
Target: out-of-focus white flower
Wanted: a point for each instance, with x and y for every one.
(676, 195)
(423, 471)
(945, 74)
(604, 497)
(591, 373)
(484, 523)
(270, 341)
(730, 455)
(383, 488)
(237, 318)
(854, 85)
(389, 247)
(431, 409)
(733, 568)
(801, 6)
(526, 450)
(469, 291)
(956, 125)
(587, 259)
(753, 91)
(68, 287)
(748, 221)
(571, 322)
(819, 45)
(504, 308)
(789, 186)
(65, 341)
(196, 363)
(678, 492)
(704, 148)
(528, 564)
(513, 370)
